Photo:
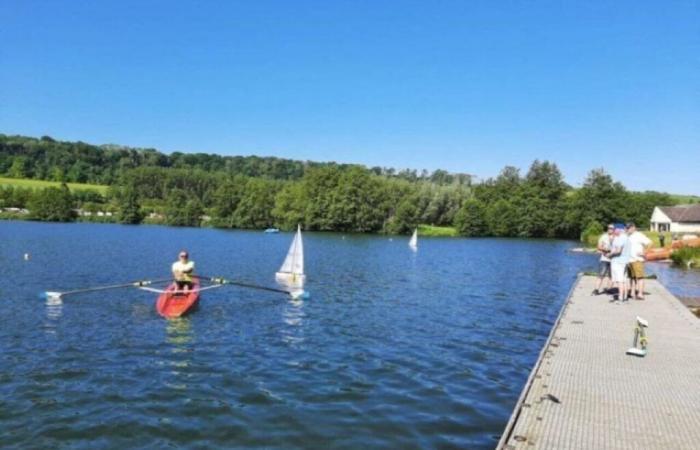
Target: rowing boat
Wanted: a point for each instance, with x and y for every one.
(173, 303)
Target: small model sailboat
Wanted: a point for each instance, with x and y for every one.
(292, 271)
(413, 243)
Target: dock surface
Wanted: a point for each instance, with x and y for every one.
(585, 392)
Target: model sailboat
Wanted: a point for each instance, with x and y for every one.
(292, 271)
(413, 243)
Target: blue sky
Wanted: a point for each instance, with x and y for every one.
(465, 86)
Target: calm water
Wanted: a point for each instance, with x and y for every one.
(393, 349)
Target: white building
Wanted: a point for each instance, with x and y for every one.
(676, 219)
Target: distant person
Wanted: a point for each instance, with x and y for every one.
(638, 242)
(604, 246)
(183, 270)
(618, 263)
(662, 239)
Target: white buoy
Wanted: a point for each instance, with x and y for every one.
(26, 256)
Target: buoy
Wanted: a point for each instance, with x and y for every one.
(26, 256)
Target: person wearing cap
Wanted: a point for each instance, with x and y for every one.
(638, 242)
(619, 258)
(604, 244)
(183, 270)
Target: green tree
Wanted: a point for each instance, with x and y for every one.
(600, 199)
(319, 186)
(591, 233)
(129, 206)
(19, 168)
(255, 208)
(502, 219)
(181, 210)
(355, 204)
(405, 218)
(290, 205)
(52, 205)
(470, 219)
(226, 199)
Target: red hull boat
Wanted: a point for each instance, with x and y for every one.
(173, 303)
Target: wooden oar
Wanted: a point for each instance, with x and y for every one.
(141, 283)
(299, 293)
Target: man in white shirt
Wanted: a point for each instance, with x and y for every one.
(183, 269)
(604, 243)
(638, 243)
(619, 257)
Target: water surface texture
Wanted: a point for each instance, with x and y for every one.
(394, 349)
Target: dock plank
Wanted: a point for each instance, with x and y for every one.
(586, 393)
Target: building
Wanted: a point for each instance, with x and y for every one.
(676, 219)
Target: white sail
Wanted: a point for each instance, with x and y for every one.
(413, 243)
(292, 271)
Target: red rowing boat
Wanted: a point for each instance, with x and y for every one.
(173, 303)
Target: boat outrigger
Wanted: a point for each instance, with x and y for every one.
(172, 302)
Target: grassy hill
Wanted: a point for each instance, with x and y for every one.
(40, 184)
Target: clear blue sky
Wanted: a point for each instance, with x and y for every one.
(461, 85)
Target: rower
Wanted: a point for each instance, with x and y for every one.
(183, 270)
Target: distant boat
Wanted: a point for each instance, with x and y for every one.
(413, 243)
(272, 230)
(292, 271)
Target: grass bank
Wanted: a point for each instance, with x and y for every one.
(686, 257)
(41, 184)
(433, 231)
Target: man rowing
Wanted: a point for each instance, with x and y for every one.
(183, 270)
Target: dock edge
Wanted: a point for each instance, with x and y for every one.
(505, 437)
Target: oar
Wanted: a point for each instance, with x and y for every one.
(58, 295)
(299, 293)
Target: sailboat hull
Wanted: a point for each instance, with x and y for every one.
(291, 279)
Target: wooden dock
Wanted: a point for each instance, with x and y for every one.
(586, 393)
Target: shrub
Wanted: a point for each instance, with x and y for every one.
(683, 256)
(591, 233)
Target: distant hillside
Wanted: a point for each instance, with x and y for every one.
(78, 162)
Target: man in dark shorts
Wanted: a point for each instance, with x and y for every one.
(604, 245)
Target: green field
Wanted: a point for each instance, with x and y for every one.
(685, 199)
(41, 184)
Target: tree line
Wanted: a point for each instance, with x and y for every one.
(326, 197)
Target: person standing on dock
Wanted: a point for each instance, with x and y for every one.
(604, 245)
(638, 242)
(618, 263)
(183, 269)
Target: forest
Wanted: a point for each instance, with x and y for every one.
(197, 189)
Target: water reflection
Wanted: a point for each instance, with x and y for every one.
(293, 316)
(179, 335)
(54, 311)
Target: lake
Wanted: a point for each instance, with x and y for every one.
(393, 349)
